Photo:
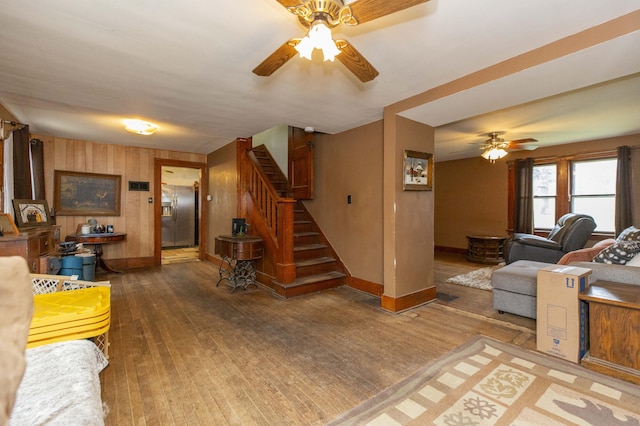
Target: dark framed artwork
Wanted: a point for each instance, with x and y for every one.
(7, 225)
(417, 171)
(31, 213)
(86, 194)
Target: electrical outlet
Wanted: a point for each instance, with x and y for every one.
(348, 199)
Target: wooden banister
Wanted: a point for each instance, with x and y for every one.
(274, 213)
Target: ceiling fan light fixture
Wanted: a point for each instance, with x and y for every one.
(493, 154)
(139, 127)
(318, 37)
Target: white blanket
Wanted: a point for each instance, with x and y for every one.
(61, 386)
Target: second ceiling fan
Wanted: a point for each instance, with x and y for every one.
(320, 17)
(494, 147)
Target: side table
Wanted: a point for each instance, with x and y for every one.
(485, 249)
(238, 253)
(97, 240)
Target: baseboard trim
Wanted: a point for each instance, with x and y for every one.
(131, 263)
(456, 250)
(365, 286)
(403, 303)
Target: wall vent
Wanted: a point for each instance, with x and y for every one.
(138, 186)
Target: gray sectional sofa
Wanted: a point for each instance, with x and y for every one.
(515, 285)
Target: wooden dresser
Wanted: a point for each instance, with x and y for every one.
(34, 244)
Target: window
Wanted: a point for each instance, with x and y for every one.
(593, 191)
(544, 196)
(590, 188)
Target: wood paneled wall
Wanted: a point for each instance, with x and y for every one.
(132, 163)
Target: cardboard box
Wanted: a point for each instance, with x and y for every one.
(562, 323)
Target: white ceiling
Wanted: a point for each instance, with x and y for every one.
(75, 69)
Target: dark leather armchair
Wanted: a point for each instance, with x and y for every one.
(570, 233)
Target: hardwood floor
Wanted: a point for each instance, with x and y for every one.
(180, 255)
(186, 352)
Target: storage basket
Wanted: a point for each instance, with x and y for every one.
(92, 321)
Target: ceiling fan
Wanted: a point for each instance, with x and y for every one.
(320, 17)
(495, 147)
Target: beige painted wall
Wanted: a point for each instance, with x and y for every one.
(471, 194)
(223, 184)
(276, 139)
(470, 199)
(414, 216)
(132, 163)
(350, 163)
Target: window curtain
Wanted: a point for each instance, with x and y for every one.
(23, 188)
(523, 188)
(7, 180)
(36, 159)
(624, 216)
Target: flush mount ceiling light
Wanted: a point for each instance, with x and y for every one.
(321, 17)
(139, 127)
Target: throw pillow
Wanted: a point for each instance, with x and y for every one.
(630, 234)
(619, 253)
(585, 254)
(635, 261)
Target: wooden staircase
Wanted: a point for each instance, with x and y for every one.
(317, 266)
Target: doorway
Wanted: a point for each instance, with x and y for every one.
(179, 211)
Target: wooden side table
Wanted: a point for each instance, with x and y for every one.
(485, 249)
(614, 329)
(97, 240)
(238, 253)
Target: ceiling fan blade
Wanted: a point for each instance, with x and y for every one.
(368, 10)
(289, 3)
(519, 141)
(356, 63)
(523, 147)
(277, 58)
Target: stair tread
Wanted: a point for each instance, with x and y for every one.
(315, 261)
(305, 234)
(308, 247)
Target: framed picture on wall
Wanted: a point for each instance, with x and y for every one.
(32, 213)
(86, 194)
(417, 171)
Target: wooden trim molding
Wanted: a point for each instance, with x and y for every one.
(403, 303)
(365, 286)
(157, 208)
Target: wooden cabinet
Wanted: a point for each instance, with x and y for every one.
(32, 243)
(614, 329)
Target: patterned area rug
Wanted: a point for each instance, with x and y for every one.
(480, 278)
(486, 382)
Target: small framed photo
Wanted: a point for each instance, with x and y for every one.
(417, 171)
(7, 225)
(32, 213)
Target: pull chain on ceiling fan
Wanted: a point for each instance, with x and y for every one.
(320, 17)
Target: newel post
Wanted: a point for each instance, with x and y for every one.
(285, 266)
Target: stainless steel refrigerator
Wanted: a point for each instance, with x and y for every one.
(178, 216)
